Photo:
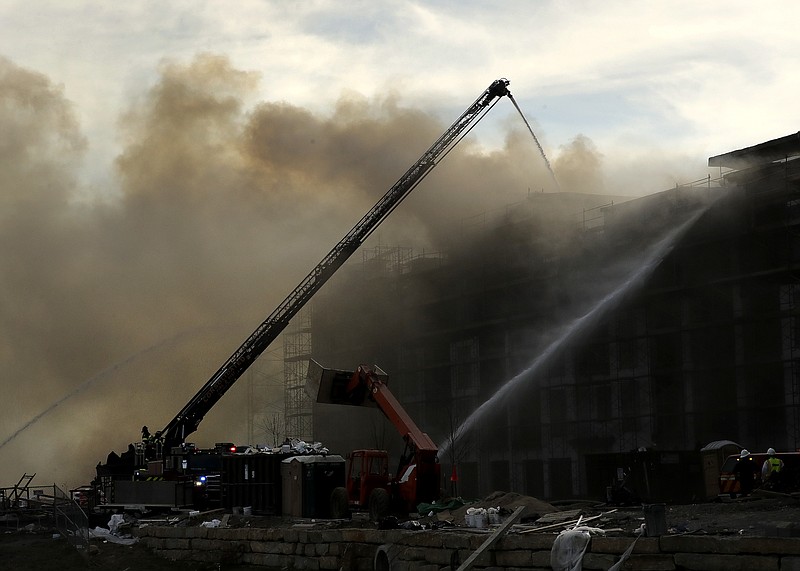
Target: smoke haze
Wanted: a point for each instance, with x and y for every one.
(120, 307)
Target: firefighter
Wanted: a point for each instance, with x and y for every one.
(746, 471)
(772, 469)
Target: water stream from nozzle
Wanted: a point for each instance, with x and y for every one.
(101, 376)
(535, 140)
(657, 252)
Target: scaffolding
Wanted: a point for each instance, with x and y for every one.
(298, 418)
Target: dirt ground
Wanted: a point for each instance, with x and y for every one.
(38, 551)
(35, 549)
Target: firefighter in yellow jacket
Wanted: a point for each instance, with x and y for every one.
(772, 469)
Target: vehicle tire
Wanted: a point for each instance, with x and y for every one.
(340, 504)
(379, 504)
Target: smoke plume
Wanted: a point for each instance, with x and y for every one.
(113, 312)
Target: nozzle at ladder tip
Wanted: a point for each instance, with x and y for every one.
(499, 87)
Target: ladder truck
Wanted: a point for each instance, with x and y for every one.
(171, 441)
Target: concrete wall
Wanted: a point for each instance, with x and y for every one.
(355, 549)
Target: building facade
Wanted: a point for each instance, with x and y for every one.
(581, 327)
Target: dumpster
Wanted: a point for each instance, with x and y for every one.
(252, 481)
(308, 482)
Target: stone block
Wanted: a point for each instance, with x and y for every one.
(716, 562)
(533, 541)
(306, 563)
(166, 531)
(379, 537)
(195, 532)
(438, 556)
(540, 559)
(595, 561)
(649, 562)
(213, 545)
(175, 554)
(321, 548)
(239, 534)
(618, 545)
(265, 534)
(428, 540)
(154, 542)
(693, 544)
(266, 547)
(354, 535)
(790, 563)
(205, 556)
(176, 543)
(332, 536)
(768, 545)
(413, 554)
(328, 562)
(266, 560)
(314, 536)
(290, 535)
(513, 558)
(362, 564)
(455, 541)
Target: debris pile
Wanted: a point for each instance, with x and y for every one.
(503, 503)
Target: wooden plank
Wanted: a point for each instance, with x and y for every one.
(492, 539)
(556, 517)
(567, 523)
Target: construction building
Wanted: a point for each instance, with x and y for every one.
(584, 327)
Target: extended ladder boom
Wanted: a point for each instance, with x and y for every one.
(188, 419)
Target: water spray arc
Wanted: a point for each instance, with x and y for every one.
(575, 328)
(536, 140)
(101, 376)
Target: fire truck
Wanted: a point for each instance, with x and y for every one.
(165, 469)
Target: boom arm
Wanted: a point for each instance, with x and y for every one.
(366, 377)
(188, 419)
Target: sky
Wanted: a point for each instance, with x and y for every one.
(171, 170)
(692, 79)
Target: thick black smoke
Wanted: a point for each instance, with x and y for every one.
(120, 309)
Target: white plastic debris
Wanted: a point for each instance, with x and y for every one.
(115, 521)
(106, 535)
(568, 549)
(212, 523)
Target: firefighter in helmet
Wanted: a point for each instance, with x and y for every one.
(746, 472)
(772, 469)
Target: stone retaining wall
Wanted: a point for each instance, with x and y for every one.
(355, 549)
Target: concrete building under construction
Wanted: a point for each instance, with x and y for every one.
(582, 328)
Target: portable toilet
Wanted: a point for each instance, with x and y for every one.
(713, 456)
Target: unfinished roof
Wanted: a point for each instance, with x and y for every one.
(774, 150)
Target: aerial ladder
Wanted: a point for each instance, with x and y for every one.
(188, 419)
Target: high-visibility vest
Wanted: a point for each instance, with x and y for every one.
(775, 464)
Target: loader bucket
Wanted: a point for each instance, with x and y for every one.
(330, 386)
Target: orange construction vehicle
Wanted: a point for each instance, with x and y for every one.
(369, 485)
